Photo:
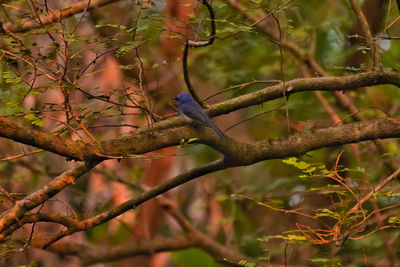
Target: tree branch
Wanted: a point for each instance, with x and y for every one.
(375, 58)
(135, 202)
(55, 15)
(64, 147)
(243, 154)
(190, 43)
(171, 132)
(192, 238)
(211, 38)
(309, 60)
(38, 197)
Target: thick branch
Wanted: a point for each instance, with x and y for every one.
(342, 83)
(242, 154)
(52, 143)
(171, 132)
(343, 100)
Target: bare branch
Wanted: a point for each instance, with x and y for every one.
(375, 57)
(135, 202)
(38, 197)
(55, 15)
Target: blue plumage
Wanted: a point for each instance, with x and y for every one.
(190, 110)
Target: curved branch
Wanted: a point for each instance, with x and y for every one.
(211, 38)
(186, 77)
(192, 238)
(39, 217)
(135, 202)
(38, 197)
(190, 43)
(242, 154)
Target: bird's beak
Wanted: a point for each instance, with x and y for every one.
(175, 98)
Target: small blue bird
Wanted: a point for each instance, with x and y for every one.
(190, 110)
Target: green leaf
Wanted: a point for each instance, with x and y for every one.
(247, 263)
(302, 165)
(327, 213)
(327, 262)
(288, 237)
(185, 142)
(394, 219)
(127, 47)
(117, 26)
(35, 120)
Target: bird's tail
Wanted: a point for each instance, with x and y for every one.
(217, 130)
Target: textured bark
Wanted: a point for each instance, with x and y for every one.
(170, 132)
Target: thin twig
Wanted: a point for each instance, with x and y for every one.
(375, 190)
(22, 155)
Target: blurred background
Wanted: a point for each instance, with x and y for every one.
(102, 72)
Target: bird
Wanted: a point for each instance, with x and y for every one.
(191, 111)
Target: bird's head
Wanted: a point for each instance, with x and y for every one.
(181, 98)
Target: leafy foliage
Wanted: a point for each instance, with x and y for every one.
(103, 73)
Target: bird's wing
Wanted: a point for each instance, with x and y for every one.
(197, 113)
(194, 111)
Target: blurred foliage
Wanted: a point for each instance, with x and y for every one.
(193, 258)
(281, 209)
